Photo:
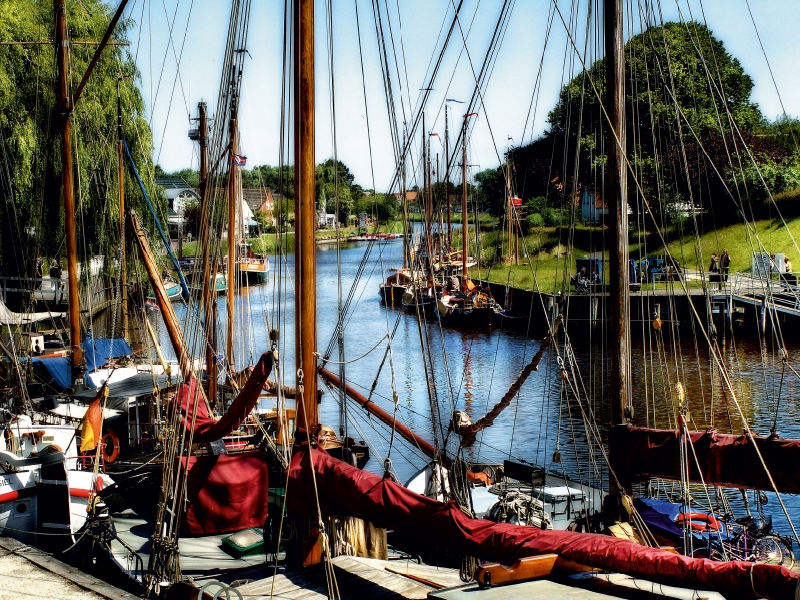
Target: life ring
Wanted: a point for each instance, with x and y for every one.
(110, 439)
(700, 521)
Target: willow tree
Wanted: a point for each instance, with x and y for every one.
(31, 214)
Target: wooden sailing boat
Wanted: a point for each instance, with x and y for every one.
(320, 485)
(466, 302)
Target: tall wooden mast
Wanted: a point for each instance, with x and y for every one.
(428, 191)
(616, 198)
(209, 283)
(464, 216)
(68, 185)
(447, 174)
(405, 208)
(231, 275)
(305, 209)
(123, 274)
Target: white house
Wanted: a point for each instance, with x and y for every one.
(179, 196)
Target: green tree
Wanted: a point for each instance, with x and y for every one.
(679, 64)
(31, 217)
(491, 184)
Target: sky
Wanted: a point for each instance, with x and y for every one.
(176, 76)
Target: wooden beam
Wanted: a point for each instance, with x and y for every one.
(171, 321)
(384, 416)
(96, 56)
(68, 185)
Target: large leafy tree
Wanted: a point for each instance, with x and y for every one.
(688, 107)
(31, 214)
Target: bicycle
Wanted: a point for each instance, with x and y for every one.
(749, 539)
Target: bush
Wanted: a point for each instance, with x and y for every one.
(535, 220)
(551, 216)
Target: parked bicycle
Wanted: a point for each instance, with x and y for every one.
(749, 539)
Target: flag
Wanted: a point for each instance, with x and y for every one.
(92, 423)
(238, 161)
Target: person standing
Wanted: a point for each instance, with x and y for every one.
(39, 273)
(725, 264)
(714, 268)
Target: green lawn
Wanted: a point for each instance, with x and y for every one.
(769, 236)
(547, 270)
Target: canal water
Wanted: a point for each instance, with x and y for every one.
(472, 369)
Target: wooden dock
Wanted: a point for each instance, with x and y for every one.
(26, 572)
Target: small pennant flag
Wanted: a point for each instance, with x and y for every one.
(90, 431)
(238, 161)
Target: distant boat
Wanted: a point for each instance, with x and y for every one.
(252, 265)
(367, 237)
(396, 284)
(173, 288)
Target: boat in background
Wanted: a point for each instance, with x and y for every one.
(391, 291)
(252, 265)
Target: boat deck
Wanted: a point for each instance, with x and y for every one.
(355, 578)
(577, 587)
(396, 580)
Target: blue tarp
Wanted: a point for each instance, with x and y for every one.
(59, 370)
(99, 351)
(661, 516)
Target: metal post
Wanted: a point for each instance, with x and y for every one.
(464, 217)
(209, 286)
(447, 175)
(405, 213)
(231, 275)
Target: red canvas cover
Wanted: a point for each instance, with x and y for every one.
(725, 459)
(225, 493)
(345, 490)
(207, 429)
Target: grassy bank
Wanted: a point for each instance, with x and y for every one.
(544, 263)
(741, 242)
(268, 243)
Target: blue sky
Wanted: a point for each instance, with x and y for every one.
(507, 102)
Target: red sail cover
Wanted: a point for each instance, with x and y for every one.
(225, 493)
(207, 429)
(345, 490)
(725, 459)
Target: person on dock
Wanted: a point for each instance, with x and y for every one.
(788, 278)
(714, 268)
(39, 273)
(725, 263)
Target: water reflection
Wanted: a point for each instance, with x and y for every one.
(471, 370)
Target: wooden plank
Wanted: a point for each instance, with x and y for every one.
(532, 567)
(48, 563)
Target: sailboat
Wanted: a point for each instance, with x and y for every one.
(321, 484)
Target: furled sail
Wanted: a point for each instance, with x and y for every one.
(345, 490)
(9, 317)
(208, 429)
(725, 459)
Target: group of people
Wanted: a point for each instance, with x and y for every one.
(720, 266)
(55, 270)
(582, 281)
